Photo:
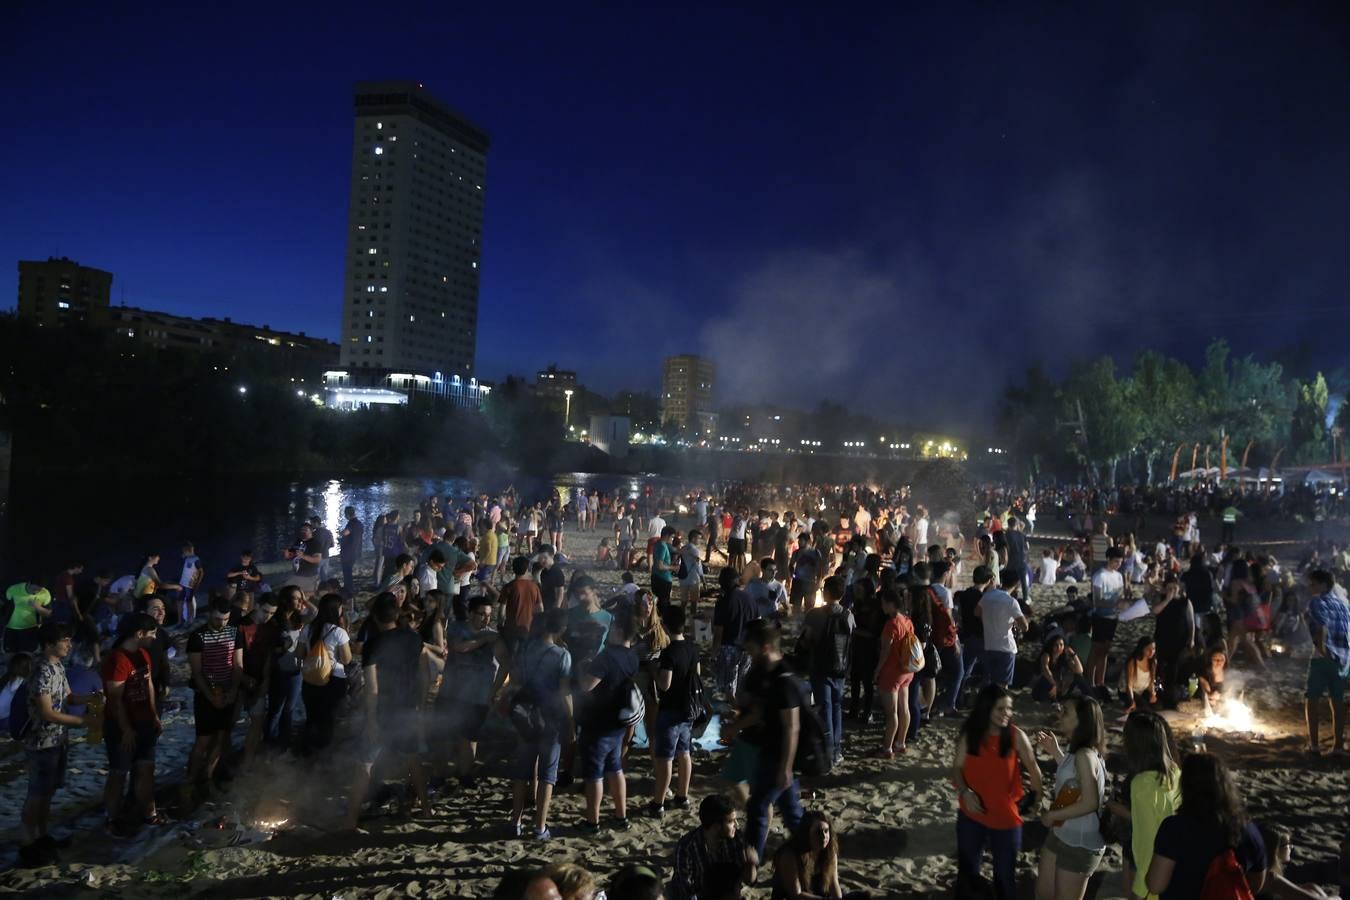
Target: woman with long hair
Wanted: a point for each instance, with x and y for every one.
(649, 639)
(1140, 679)
(1210, 823)
(322, 700)
(992, 755)
(1154, 792)
(1279, 850)
(892, 676)
(923, 687)
(807, 865)
(284, 681)
(1061, 672)
(1074, 847)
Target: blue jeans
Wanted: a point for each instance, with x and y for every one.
(999, 667)
(954, 672)
(764, 792)
(915, 690)
(283, 698)
(972, 653)
(972, 838)
(829, 694)
(348, 581)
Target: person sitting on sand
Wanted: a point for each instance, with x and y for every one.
(1139, 682)
(714, 842)
(1279, 850)
(1212, 674)
(807, 865)
(1061, 672)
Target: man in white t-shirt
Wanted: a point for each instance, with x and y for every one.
(921, 530)
(1049, 568)
(1108, 598)
(999, 612)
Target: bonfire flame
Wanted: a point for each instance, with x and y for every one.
(1232, 715)
(820, 598)
(270, 824)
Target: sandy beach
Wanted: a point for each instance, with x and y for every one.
(895, 819)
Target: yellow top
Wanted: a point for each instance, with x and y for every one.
(1153, 798)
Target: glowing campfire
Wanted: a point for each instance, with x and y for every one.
(1233, 714)
(820, 598)
(271, 814)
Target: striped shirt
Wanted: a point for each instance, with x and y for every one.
(217, 648)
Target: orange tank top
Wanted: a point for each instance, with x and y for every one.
(998, 782)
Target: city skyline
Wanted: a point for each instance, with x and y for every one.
(1033, 185)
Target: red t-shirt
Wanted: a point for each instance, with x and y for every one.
(133, 670)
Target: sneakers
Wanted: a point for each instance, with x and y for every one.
(680, 802)
(517, 829)
(655, 810)
(585, 827)
(543, 835)
(620, 824)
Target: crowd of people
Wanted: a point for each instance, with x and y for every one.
(818, 611)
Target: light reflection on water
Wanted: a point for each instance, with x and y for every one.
(111, 524)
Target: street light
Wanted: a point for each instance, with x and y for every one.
(567, 408)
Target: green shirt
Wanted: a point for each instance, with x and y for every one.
(24, 615)
(661, 554)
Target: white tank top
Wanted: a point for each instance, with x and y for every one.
(1083, 831)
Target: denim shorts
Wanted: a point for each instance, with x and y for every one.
(546, 751)
(601, 754)
(143, 753)
(673, 735)
(1078, 860)
(46, 770)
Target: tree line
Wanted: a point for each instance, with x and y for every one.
(1109, 426)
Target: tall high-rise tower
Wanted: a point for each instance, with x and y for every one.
(414, 235)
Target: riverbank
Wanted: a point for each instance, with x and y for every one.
(895, 819)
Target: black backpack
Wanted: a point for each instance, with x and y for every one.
(832, 648)
(815, 756)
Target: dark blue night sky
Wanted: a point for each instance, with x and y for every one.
(899, 208)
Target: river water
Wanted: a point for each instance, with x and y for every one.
(111, 524)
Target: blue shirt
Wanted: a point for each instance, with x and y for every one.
(1332, 615)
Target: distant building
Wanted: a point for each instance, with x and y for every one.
(61, 291)
(687, 394)
(414, 236)
(353, 389)
(610, 434)
(295, 354)
(552, 384)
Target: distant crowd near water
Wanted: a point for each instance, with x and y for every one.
(711, 692)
